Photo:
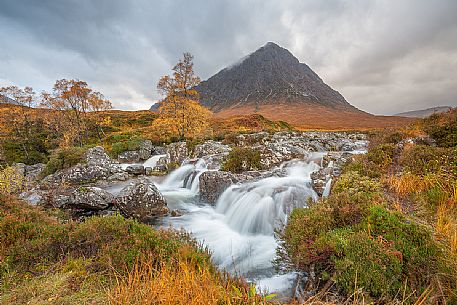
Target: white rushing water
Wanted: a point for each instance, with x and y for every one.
(239, 230)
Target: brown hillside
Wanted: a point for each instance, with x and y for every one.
(305, 116)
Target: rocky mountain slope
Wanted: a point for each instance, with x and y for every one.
(269, 75)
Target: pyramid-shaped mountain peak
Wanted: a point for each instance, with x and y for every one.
(269, 75)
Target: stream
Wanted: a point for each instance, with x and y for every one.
(239, 228)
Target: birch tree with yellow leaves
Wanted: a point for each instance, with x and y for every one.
(180, 113)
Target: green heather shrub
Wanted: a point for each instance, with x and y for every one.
(442, 128)
(363, 262)
(354, 239)
(381, 155)
(242, 159)
(64, 158)
(32, 241)
(422, 159)
(130, 144)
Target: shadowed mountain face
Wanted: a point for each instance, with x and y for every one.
(270, 75)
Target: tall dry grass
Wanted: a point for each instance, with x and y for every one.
(182, 283)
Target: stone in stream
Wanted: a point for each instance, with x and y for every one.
(214, 183)
(141, 200)
(135, 169)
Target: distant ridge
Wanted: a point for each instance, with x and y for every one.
(423, 113)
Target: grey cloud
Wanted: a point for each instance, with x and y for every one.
(383, 56)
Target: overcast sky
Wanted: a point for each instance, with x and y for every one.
(383, 56)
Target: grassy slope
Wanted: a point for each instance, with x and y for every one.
(388, 232)
(46, 259)
(318, 117)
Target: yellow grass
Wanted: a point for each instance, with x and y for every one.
(180, 284)
(408, 183)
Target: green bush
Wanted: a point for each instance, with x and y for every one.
(423, 159)
(364, 262)
(242, 159)
(382, 155)
(64, 158)
(120, 147)
(355, 238)
(442, 128)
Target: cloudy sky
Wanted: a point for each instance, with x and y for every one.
(383, 56)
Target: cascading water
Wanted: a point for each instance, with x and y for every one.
(239, 230)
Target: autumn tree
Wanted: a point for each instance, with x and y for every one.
(72, 101)
(180, 112)
(24, 127)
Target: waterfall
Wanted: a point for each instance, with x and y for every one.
(152, 162)
(259, 207)
(239, 230)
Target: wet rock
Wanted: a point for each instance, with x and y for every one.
(89, 198)
(121, 176)
(135, 169)
(214, 183)
(141, 200)
(175, 213)
(177, 152)
(148, 171)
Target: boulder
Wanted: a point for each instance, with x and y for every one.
(121, 176)
(141, 200)
(159, 150)
(135, 169)
(210, 148)
(214, 183)
(131, 156)
(177, 152)
(145, 150)
(98, 166)
(90, 198)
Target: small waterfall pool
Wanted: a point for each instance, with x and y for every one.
(239, 229)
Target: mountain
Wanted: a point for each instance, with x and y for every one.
(272, 82)
(270, 75)
(423, 113)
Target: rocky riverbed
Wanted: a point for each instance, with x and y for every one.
(234, 214)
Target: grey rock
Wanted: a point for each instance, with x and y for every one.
(159, 150)
(210, 148)
(121, 176)
(90, 198)
(131, 156)
(145, 150)
(214, 183)
(98, 166)
(177, 152)
(141, 200)
(135, 169)
(148, 171)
